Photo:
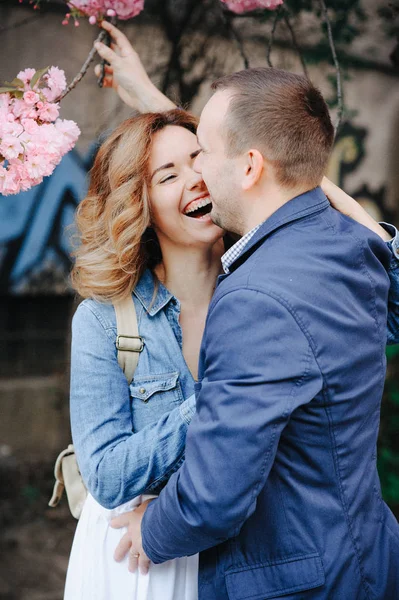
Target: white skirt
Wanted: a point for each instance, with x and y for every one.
(93, 574)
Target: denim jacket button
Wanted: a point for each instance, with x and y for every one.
(142, 390)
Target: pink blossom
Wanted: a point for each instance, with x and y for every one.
(30, 98)
(13, 129)
(33, 139)
(56, 84)
(10, 147)
(69, 129)
(10, 182)
(26, 76)
(55, 78)
(92, 20)
(123, 9)
(243, 6)
(4, 102)
(35, 166)
(49, 112)
(30, 126)
(20, 110)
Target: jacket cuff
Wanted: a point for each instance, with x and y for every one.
(393, 244)
(187, 409)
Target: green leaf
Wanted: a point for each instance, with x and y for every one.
(38, 75)
(4, 90)
(18, 94)
(15, 82)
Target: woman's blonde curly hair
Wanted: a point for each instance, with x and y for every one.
(116, 242)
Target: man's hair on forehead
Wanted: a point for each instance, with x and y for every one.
(284, 116)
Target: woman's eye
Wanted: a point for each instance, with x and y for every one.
(168, 178)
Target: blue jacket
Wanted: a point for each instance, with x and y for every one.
(129, 439)
(280, 480)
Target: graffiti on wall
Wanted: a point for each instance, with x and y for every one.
(347, 156)
(36, 231)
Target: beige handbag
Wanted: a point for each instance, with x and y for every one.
(66, 470)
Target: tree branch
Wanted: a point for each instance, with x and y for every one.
(21, 23)
(336, 64)
(101, 37)
(271, 38)
(227, 20)
(295, 41)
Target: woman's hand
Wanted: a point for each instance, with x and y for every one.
(126, 74)
(348, 206)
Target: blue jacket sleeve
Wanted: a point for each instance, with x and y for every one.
(393, 298)
(247, 395)
(116, 463)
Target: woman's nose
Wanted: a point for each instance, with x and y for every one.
(195, 181)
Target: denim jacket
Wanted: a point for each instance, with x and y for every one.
(129, 439)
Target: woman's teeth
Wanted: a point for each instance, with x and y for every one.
(196, 208)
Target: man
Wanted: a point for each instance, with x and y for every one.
(279, 490)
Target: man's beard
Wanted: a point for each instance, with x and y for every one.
(229, 222)
(216, 219)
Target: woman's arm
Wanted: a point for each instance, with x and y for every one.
(348, 206)
(116, 463)
(127, 75)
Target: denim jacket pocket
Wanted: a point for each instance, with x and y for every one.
(152, 396)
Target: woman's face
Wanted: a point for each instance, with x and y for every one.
(180, 203)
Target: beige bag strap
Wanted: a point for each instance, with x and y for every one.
(128, 342)
(59, 479)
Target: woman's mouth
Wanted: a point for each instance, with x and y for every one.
(198, 208)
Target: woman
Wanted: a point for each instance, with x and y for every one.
(144, 229)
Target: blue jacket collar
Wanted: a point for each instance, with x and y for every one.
(151, 298)
(301, 206)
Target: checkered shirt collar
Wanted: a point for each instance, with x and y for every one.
(235, 251)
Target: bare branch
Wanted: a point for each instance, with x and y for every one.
(336, 64)
(295, 41)
(21, 23)
(227, 19)
(101, 37)
(271, 38)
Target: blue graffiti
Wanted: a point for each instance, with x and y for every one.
(35, 226)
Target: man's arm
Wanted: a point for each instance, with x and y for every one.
(259, 367)
(348, 206)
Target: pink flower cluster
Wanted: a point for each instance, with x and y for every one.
(96, 10)
(243, 6)
(32, 137)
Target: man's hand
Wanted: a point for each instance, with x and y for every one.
(131, 541)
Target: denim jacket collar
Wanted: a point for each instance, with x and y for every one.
(144, 291)
(301, 206)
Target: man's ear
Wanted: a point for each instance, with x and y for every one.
(253, 169)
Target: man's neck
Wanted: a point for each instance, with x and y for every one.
(266, 202)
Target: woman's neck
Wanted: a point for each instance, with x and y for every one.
(190, 273)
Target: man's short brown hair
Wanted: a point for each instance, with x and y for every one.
(285, 117)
